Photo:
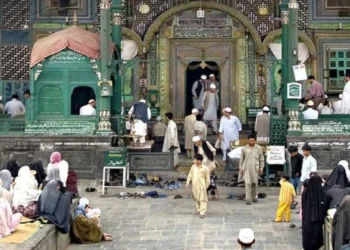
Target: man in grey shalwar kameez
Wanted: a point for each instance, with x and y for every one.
(251, 165)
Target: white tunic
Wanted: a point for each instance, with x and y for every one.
(197, 100)
(310, 114)
(139, 127)
(87, 110)
(345, 109)
(337, 107)
(171, 137)
(211, 113)
(326, 111)
(230, 128)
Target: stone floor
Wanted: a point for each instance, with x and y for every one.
(166, 223)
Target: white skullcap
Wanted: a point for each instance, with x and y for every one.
(203, 77)
(194, 111)
(246, 236)
(227, 109)
(325, 96)
(310, 103)
(340, 97)
(159, 118)
(83, 201)
(196, 138)
(212, 86)
(91, 101)
(211, 75)
(143, 100)
(266, 109)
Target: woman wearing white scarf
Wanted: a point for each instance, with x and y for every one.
(26, 194)
(345, 164)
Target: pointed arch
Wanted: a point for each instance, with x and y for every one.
(135, 37)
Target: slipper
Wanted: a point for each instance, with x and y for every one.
(87, 190)
(92, 189)
(178, 197)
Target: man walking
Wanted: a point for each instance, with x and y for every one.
(251, 165)
(296, 161)
(198, 89)
(171, 140)
(210, 106)
(189, 123)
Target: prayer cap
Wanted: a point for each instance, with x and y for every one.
(246, 236)
(211, 75)
(227, 109)
(196, 138)
(159, 118)
(194, 111)
(310, 103)
(212, 86)
(91, 101)
(340, 97)
(204, 77)
(266, 109)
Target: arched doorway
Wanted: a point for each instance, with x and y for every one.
(80, 97)
(194, 71)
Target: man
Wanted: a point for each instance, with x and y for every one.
(88, 109)
(198, 89)
(316, 93)
(309, 164)
(326, 109)
(27, 94)
(171, 142)
(310, 113)
(158, 133)
(14, 107)
(261, 112)
(337, 105)
(189, 123)
(296, 161)
(200, 128)
(262, 126)
(345, 105)
(210, 104)
(230, 126)
(251, 165)
(212, 80)
(205, 149)
(140, 113)
(246, 238)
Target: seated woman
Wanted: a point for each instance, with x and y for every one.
(25, 194)
(6, 178)
(90, 212)
(54, 205)
(40, 174)
(12, 166)
(56, 161)
(8, 220)
(53, 173)
(5, 194)
(87, 230)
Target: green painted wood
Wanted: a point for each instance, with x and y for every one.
(116, 157)
(326, 125)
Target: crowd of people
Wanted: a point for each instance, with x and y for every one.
(33, 193)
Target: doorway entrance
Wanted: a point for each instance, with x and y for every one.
(80, 97)
(193, 73)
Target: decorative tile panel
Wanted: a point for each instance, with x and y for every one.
(303, 15)
(252, 72)
(14, 62)
(14, 13)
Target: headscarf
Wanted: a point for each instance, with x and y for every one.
(8, 220)
(81, 208)
(341, 224)
(345, 164)
(6, 179)
(5, 194)
(12, 166)
(40, 172)
(49, 197)
(53, 173)
(55, 157)
(313, 200)
(337, 177)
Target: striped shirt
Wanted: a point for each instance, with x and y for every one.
(287, 192)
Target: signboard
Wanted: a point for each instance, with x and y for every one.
(154, 112)
(275, 155)
(300, 72)
(106, 88)
(253, 112)
(116, 157)
(294, 90)
(319, 127)
(82, 127)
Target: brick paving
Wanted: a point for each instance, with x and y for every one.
(166, 223)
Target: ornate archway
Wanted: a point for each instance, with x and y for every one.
(135, 37)
(154, 28)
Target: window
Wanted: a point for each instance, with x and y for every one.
(80, 97)
(337, 3)
(50, 101)
(339, 65)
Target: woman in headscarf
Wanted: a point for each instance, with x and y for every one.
(53, 173)
(90, 212)
(87, 230)
(12, 166)
(313, 214)
(62, 165)
(8, 220)
(40, 174)
(25, 194)
(5, 194)
(6, 179)
(337, 177)
(341, 224)
(54, 205)
(345, 164)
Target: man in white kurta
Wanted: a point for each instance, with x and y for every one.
(230, 126)
(345, 107)
(337, 105)
(88, 109)
(310, 113)
(198, 89)
(210, 104)
(189, 123)
(212, 80)
(199, 176)
(171, 139)
(141, 114)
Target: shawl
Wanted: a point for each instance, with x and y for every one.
(53, 173)
(341, 224)
(55, 206)
(345, 164)
(6, 179)
(81, 208)
(337, 177)
(86, 230)
(11, 166)
(313, 200)
(40, 172)
(8, 221)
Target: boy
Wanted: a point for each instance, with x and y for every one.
(309, 164)
(286, 198)
(199, 175)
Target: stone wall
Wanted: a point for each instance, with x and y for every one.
(84, 154)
